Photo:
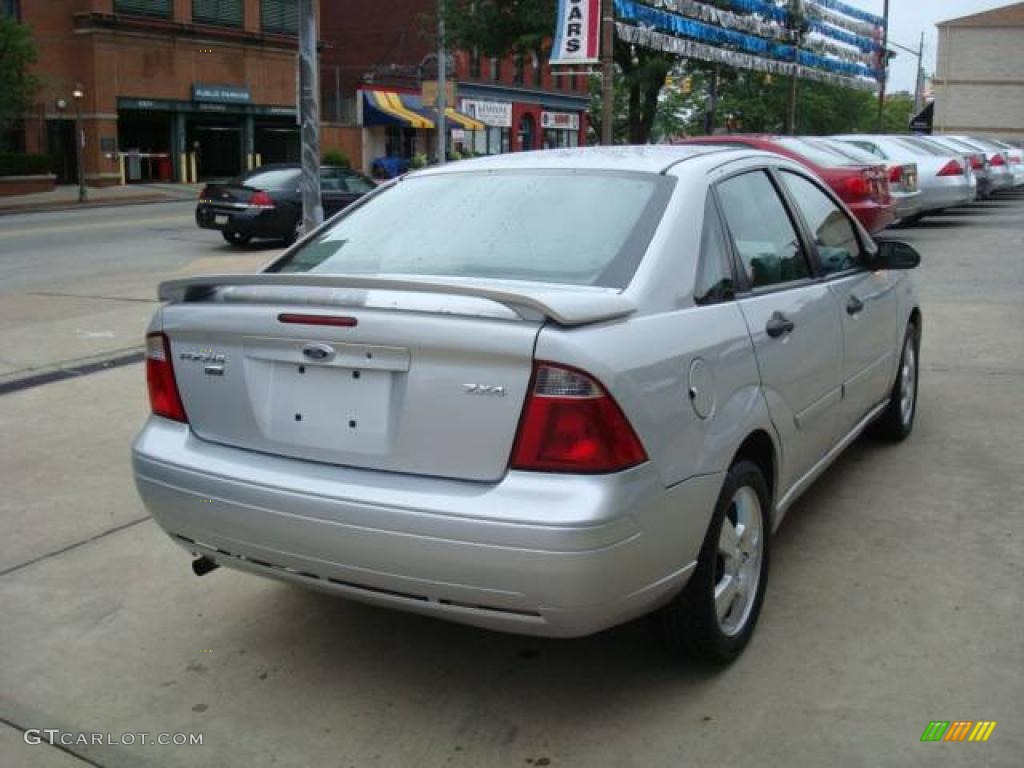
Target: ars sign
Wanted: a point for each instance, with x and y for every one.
(578, 32)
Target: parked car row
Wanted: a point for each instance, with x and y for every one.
(897, 179)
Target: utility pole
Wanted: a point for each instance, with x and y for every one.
(709, 114)
(607, 73)
(442, 84)
(885, 68)
(796, 23)
(309, 111)
(919, 81)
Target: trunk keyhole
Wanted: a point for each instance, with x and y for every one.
(352, 424)
(298, 417)
(355, 374)
(302, 369)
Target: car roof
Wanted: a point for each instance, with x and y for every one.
(643, 158)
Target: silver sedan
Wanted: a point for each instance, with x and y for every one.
(544, 393)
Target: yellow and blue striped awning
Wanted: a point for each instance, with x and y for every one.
(393, 108)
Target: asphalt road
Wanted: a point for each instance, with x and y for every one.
(81, 285)
(895, 598)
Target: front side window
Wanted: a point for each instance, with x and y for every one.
(161, 8)
(761, 230)
(834, 235)
(553, 227)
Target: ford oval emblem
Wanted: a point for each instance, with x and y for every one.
(318, 352)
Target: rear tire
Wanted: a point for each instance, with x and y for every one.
(897, 421)
(236, 238)
(714, 616)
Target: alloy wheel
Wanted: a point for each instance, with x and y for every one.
(738, 562)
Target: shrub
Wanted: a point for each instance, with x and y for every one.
(336, 157)
(418, 161)
(12, 164)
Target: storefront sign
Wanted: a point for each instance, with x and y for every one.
(428, 93)
(222, 94)
(497, 114)
(569, 121)
(577, 35)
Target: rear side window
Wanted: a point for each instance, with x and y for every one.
(573, 227)
(761, 230)
(352, 182)
(714, 271)
(834, 234)
(277, 178)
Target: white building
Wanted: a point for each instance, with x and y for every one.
(979, 80)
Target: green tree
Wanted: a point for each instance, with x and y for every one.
(18, 85)
(501, 27)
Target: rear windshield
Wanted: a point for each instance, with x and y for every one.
(819, 154)
(277, 178)
(577, 228)
(916, 145)
(854, 152)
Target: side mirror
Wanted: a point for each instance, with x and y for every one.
(893, 254)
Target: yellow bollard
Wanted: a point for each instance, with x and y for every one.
(195, 173)
(120, 162)
(183, 168)
(259, 160)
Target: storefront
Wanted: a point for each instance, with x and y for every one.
(397, 127)
(521, 119)
(216, 135)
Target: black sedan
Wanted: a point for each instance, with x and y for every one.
(267, 203)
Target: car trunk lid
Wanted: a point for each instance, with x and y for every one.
(426, 379)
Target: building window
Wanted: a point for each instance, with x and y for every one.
(574, 84)
(495, 69)
(224, 13)
(10, 9)
(474, 64)
(280, 16)
(517, 71)
(538, 72)
(160, 8)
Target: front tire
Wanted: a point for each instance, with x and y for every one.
(897, 421)
(714, 617)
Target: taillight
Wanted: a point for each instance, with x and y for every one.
(952, 168)
(164, 399)
(261, 200)
(977, 162)
(896, 174)
(998, 161)
(204, 195)
(571, 424)
(858, 187)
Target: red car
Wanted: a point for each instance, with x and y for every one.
(864, 188)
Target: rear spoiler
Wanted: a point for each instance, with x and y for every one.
(565, 307)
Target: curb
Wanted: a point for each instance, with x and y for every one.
(74, 369)
(113, 203)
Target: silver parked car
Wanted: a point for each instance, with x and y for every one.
(903, 177)
(543, 392)
(944, 177)
(997, 167)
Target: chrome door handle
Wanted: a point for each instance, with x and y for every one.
(779, 325)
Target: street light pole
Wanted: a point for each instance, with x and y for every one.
(78, 94)
(607, 72)
(309, 111)
(442, 82)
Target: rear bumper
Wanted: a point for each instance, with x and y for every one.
(535, 554)
(948, 193)
(873, 216)
(907, 204)
(253, 222)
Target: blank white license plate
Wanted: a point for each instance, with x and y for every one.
(220, 220)
(330, 408)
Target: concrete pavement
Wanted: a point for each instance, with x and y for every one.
(895, 599)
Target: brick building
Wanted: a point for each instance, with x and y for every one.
(375, 55)
(169, 85)
(979, 80)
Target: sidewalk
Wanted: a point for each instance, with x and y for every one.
(65, 197)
